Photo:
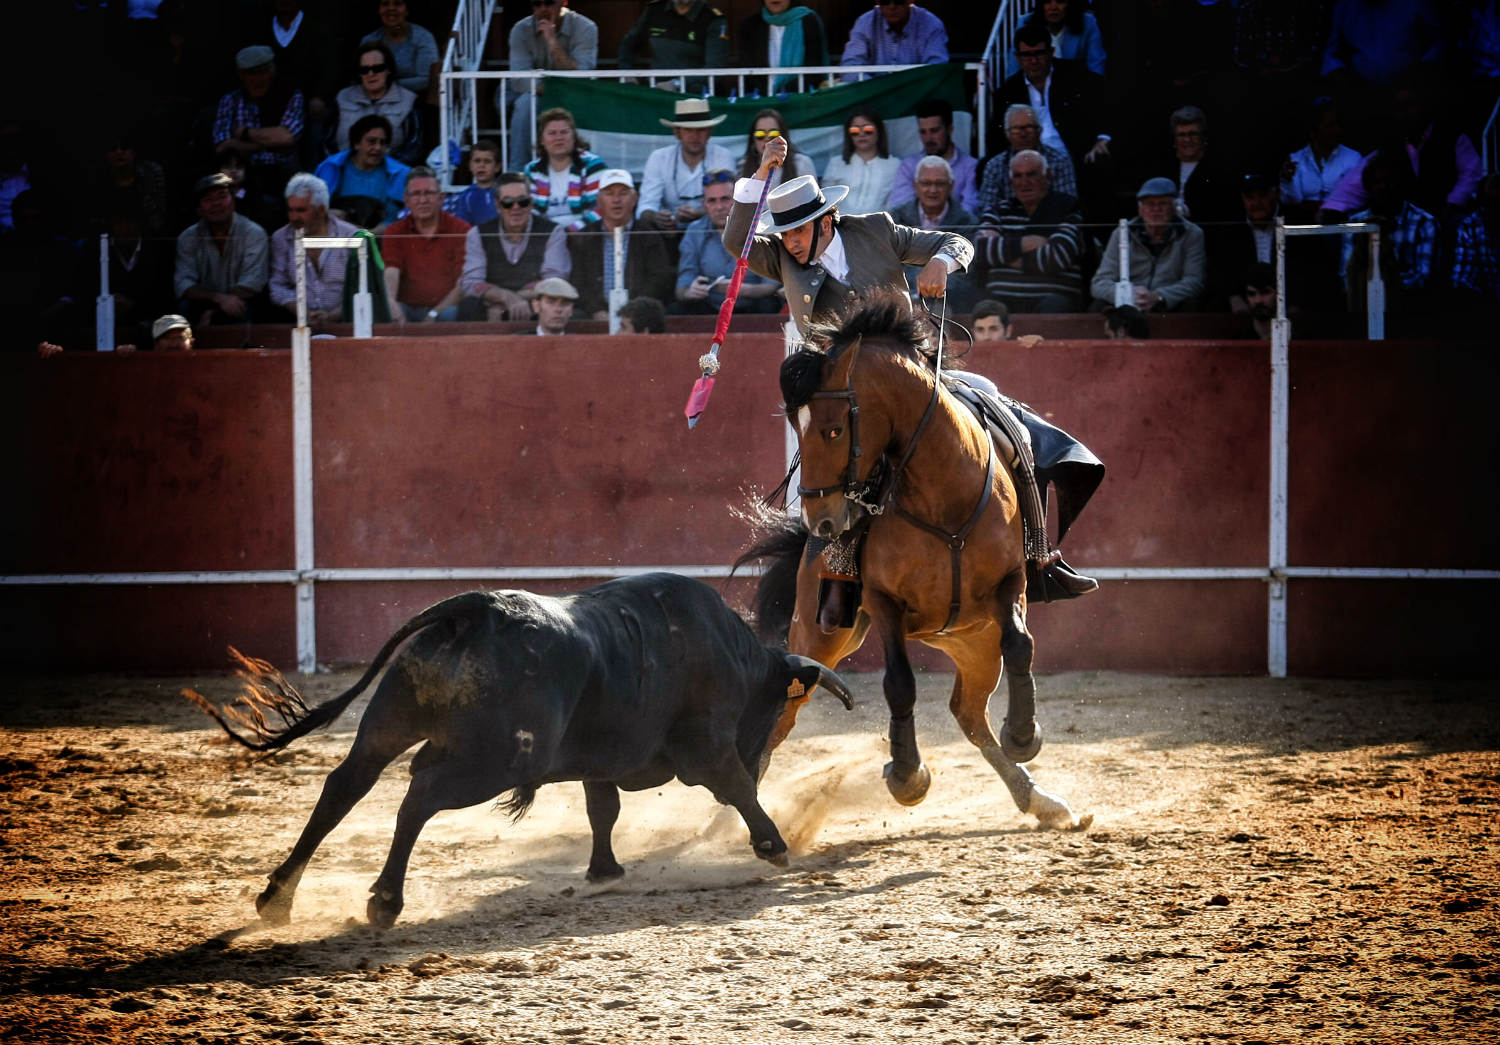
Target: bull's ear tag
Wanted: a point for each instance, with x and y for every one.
(795, 690)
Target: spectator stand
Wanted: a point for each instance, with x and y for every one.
(815, 114)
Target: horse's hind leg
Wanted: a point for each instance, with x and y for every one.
(906, 775)
(978, 674)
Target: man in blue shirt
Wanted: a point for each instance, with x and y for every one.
(896, 32)
(704, 267)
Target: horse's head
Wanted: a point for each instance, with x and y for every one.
(842, 409)
(838, 443)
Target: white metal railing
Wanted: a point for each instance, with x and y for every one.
(465, 50)
(459, 92)
(1002, 34)
(104, 304)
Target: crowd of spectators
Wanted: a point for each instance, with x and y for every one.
(1330, 110)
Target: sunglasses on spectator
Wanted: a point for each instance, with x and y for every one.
(715, 177)
(372, 70)
(761, 136)
(1043, 53)
(514, 202)
(543, 3)
(894, 3)
(862, 128)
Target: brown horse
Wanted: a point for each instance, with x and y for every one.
(886, 446)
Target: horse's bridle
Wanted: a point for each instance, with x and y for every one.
(875, 491)
(878, 489)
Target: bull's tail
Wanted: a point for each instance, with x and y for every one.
(780, 547)
(268, 693)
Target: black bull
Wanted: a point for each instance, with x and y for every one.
(625, 685)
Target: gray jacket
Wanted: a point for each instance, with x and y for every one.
(876, 247)
(1179, 271)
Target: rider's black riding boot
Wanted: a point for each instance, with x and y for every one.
(1056, 580)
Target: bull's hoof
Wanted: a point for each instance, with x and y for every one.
(384, 907)
(908, 790)
(273, 905)
(605, 874)
(1016, 750)
(773, 851)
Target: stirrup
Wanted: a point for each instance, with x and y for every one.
(1052, 580)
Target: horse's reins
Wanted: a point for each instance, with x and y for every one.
(875, 493)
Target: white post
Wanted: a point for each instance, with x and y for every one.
(1123, 295)
(618, 294)
(364, 308)
(302, 491)
(1281, 332)
(104, 304)
(1375, 293)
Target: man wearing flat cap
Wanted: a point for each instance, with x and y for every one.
(552, 301)
(825, 259)
(172, 333)
(261, 121)
(672, 183)
(223, 260)
(1168, 271)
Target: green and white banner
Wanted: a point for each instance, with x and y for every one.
(622, 121)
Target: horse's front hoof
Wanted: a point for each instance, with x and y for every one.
(1014, 749)
(908, 790)
(384, 907)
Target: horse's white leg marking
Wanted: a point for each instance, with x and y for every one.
(1050, 810)
(804, 418)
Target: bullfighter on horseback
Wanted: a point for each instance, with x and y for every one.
(827, 261)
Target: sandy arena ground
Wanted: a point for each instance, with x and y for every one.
(1269, 861)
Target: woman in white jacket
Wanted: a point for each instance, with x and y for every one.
(866, 166)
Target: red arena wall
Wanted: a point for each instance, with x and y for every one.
(527, 453)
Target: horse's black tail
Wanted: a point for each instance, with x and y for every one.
(267, 690)
(780, 547)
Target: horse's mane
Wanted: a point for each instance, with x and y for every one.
(883, 313)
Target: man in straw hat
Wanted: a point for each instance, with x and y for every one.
(672, 183)
(827, 261)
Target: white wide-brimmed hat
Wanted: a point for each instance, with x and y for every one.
(693, 112)
(798, 202)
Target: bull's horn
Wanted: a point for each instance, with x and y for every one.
(826, 678)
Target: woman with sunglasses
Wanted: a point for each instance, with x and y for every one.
(415, 49)
(376, 93)
(866, 166)
(565, 175)
(768, 125)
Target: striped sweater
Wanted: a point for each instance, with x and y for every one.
(583, 188)
(1054, 268)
